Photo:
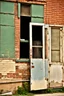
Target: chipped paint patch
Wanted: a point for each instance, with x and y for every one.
(40, 84)
(55, 78)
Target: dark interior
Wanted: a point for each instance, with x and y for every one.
(37, 35)
(24, 34)
(37, 41)
(25, 27)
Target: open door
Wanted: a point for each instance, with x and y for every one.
(37, 57)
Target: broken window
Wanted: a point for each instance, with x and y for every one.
(24, 31)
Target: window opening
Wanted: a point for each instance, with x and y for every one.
(37, 41)
(24, 37)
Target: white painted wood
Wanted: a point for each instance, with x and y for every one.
(49, 45)
(56, 73)
(42, 83)
(43, 32)
(63, 44)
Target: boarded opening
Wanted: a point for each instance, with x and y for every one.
(25, 10)
(55, 44)
(37, 41)
(24, 37)
(7, 47)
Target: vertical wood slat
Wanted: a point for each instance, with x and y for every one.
(49, 45)
(61, 43)
(46, 40)
(18, 10)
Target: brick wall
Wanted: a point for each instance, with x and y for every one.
(54, 12)
(17, 33)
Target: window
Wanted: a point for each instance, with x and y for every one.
(55, 44)
(29, 14)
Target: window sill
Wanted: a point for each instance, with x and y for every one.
(22, 60)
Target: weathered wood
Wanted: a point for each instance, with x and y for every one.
(55, 44)
(63, 55)
(25, 10)
(61, 44)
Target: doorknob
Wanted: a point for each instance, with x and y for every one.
(32, 66)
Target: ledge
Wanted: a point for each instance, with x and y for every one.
(22, 60)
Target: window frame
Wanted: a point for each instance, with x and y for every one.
(49, 44)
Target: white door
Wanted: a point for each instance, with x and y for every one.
(37, 57)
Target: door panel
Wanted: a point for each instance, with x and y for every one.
(56, 75)
(37, 57)
(38, 74)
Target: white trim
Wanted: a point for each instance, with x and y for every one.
(30, 36)
(49, 45)
(63, 44)
(52, 25)
(43, 33)
(38, 24)
(43, 44)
